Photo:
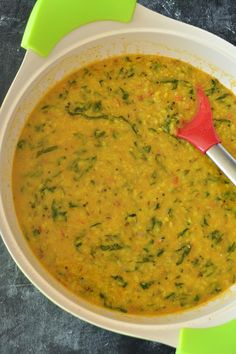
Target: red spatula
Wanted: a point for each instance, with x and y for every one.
(200, 132)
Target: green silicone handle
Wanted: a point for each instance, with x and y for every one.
(215, 340)
(51, 20)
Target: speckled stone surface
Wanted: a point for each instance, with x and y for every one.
(29, 323)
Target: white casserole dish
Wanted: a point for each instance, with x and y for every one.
(148, 33)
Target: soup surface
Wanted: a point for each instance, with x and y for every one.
(117, 208)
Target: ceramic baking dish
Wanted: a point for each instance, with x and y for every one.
(46, 62)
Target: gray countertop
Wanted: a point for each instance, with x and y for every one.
(30, 323)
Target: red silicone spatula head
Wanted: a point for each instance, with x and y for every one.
(200, 130)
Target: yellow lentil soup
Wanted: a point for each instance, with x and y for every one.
(114, 206)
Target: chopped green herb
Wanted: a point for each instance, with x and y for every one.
(146, 285)
(170, 296)
(78, 243)
(57, 213)
(113, 247)
(146, 248)
(183, 232)
(80, 110)
(179, 285)
(147, 259)
(121, 309)
(46, 150)
(154, 224)
(47, 187)
(73, 205)
(64, 94)
(39, 127)
(139, 152)
(60, 160)
(72, 82)
(191, 92)
(96, 224)
(80, 166)
(222, 97)
(170, 122)
(21, 144)
(120, 281)
(86, 71)
(154, 181)
(155, 66)
(99, 133)
(207, 269)
(126, 73)
(97, 106)
(212, 179)
(131, 217)
(231, 247)
(216, 290)
(108, 304)
(184, 251)
(112, 237)
(204, 221)
(153, 130)
(196, 298)
(173, 82)
(147, 148)
(186, 172)
(213, 88)
(45, 108)
(124, 95)
(218, 122)
(79, 135)
(36, 232)
(216, 236)
(128, 59)
(77, 109)
(160, 252)
(229, 195)
(115, 134)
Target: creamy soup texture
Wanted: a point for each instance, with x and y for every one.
(114, 206)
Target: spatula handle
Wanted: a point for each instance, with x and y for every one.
(226, 163)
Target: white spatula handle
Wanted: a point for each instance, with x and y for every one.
(226, 163)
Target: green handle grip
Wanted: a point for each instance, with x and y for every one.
(51, 20)
(214, 340)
